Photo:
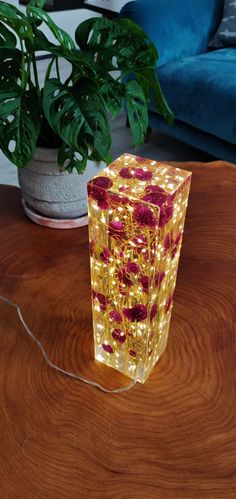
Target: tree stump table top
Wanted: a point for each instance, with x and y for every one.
(173, 437)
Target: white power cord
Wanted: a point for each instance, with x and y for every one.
(54, 366)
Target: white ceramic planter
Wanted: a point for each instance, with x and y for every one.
(53, 193)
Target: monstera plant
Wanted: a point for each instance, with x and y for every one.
(72, 114)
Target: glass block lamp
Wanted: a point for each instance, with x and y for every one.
(137, 210)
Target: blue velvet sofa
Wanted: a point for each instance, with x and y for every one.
(199, 84)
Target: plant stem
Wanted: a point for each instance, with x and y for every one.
(49, 69)
(23, 72)
(57, 69)
(35, 74)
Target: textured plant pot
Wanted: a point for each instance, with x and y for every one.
(54, 193)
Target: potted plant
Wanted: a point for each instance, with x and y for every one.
(62, 127)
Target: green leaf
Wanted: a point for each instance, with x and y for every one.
(10, 66)
(68, 159)
(113, 93)
(37, 3)
(14, 18)
(78, 115)
(116, 44)
(137, 111)
(64, 39)
(149, 82)
(7, 38)
(19, 123)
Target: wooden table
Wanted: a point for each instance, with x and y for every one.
(173, 437)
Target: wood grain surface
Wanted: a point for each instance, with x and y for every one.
(173, 437)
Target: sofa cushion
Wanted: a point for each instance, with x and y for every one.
(226, 33)
(201, 90)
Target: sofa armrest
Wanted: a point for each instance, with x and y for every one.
(178, 28)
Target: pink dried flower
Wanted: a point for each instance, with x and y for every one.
(135, 314)
(141, 174)
(118, 335)
(132, 267)
(115, 316)
(144, 216)
(144, 281)
(159, 276)
(105, 255)
(153, 311)
(116, 229)
(126, 173)
(107, 348)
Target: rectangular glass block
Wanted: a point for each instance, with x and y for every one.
(136, 213)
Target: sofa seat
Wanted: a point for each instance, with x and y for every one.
(201, 90)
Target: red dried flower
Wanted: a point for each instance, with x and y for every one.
(97, 191)
(123, 277)
(165, 214)
(135, 314)
(105, 255)
(132, 353)
(103, 182)
(144, 216)
(124, 189)
(101, 298)
(156, 197)
(140, 241)
(168, 304)
(115, 199)
(91, 247)
(116, 229)
(107, 348)
(99, 195)
(141, 174)
(176, 244)
(126, 173)
(155, 188)
(144, 281)
(118, 335)
(140, 160)
(132, 267)
(159, 276)
(115, 316)
(168, 241)
(153, 311)
(178, 238)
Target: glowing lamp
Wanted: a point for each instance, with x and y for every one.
(136, 212)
